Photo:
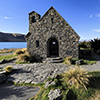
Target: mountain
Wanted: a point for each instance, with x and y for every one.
(12, 37)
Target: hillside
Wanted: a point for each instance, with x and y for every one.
(11, 37)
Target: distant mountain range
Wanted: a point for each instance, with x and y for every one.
(12, 37)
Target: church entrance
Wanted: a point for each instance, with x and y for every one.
(53, 49)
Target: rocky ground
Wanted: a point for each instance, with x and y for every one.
(34, 73)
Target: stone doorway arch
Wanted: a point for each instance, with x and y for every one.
(52, 47)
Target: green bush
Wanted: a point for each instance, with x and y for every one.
(95, 44)
(85, 44)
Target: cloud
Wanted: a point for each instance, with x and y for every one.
(98, 15)
(91, 16)
(96, 30)
(95, 15)
(8, 17)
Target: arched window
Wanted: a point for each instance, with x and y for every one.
(52, 20)
(33, 19)
(37, 43)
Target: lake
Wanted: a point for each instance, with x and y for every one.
(13, 45)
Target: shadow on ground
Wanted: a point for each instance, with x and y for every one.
(11, 92)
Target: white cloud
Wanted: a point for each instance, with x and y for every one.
(98, 15)
(96, 30)
(91, 16)
(8, 17)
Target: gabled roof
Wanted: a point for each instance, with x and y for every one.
(49, 10)
(33, 12)
(60, 16)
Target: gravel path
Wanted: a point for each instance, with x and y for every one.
(94, 67)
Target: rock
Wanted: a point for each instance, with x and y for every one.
(55, 94)
(3, 72)
(2, 61)
(2, 78)
(54, 76)
(48, 83)
(78, 62)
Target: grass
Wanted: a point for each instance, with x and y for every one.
(85, 48)
(7, 57)
(84, 61)
(77, 77)
(19, 62)
(29, 84)
(7, 50)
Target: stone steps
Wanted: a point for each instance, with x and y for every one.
(53, 60)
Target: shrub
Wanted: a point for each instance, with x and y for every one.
(24, 50)
(8, 68)
(24, 57)
(95, 44)
(98, 52)
(77, 77)
(18, 52)
(68, 60)
(85, 44)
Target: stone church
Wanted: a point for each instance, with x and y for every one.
(51, 36)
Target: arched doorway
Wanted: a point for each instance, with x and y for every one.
(52, 47)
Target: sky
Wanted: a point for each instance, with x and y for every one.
(82, 15)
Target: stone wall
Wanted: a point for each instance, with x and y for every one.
(51, 25)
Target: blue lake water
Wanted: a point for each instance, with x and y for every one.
(13, 45)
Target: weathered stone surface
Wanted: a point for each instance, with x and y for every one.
(55, 94)
(36, 73)
(78, 62)
(2, 78)
(54, 76)
(51, 29)
(3, 61)
(48, 83)
(3, 72)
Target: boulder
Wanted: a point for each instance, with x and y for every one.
(2, 61)
(48, 83)
(55, 94)
(79, 62)
(54, 76)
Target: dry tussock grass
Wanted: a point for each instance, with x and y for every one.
(77, 77)
(68, 60)
(8, 68)
(7, 50)
(20, 51)
(24, 57)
